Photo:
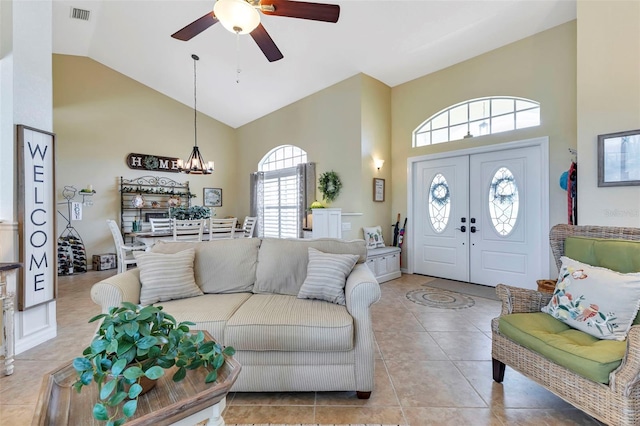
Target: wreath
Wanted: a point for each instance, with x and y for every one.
(151, 162)
(440, 193)
(330, 185)
(504, 190)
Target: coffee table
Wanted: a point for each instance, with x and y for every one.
(187, 402)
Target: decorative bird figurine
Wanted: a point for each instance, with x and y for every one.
(589, 312)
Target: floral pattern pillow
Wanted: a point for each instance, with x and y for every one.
(598, 301)
(373, 237)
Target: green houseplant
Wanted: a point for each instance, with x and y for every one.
(134, 343)
(188, 213)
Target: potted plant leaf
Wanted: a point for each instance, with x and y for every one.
(135, 344)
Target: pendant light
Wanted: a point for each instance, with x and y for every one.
(195, 164)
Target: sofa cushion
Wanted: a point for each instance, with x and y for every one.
(209, 312)
(221, 266)
(166, 276)
(595, 300)
(573, 349)
(282, 263)
(326, 276)
(272, 322)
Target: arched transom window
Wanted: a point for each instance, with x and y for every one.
(478, 117)
(282, 157)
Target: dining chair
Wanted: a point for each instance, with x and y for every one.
(222, 228)
(249, 225)
(124, 253)
(187, 230)
(159, 224)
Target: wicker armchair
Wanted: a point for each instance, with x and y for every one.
(617, 403)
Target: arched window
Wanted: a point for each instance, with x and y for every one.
(281, 192)
(478, 117)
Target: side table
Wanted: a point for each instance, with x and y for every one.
(187, 402)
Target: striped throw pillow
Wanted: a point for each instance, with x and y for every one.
(166, 276)
(326, 276)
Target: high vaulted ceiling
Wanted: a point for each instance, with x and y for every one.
(392, 41)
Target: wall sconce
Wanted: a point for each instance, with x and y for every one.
(378, 164)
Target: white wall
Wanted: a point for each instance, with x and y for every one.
(608, 82)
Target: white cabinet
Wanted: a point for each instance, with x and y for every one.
(327, 223)
(384, 262)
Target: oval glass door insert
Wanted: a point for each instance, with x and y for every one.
(503, 201)
(439, 203)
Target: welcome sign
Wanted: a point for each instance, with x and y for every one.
(36, 216)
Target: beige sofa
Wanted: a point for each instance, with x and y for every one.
(250, 302)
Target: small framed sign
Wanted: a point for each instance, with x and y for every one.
(619, 158)
(378, 189)
(212, 197)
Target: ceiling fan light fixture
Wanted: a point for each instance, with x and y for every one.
(237, 16)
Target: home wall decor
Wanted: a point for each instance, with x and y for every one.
(378, 189)
(153, 162)
(212, 197)
(36, 216)
(619, 158)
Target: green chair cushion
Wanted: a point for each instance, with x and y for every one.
(617, 255)
(575, 350)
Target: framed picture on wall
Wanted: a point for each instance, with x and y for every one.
(378, 189)
(212, 197)
(619, 158)
(36, 217)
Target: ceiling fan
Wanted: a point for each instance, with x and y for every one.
(242, 17)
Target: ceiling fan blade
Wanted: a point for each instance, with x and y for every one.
(304, 10)
(266, 44)
(196, 27)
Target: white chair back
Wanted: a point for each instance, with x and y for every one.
(160, 224)
(222, 228)
(187, 230)
(249, 225)
(124, 254)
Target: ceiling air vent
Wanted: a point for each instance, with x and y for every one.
(81, 14)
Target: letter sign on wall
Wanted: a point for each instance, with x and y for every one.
(36, 216)
(153, 162)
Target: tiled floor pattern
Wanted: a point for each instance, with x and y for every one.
(433, 367)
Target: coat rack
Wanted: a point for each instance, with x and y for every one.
(72, 256)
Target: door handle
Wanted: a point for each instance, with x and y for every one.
(462, 229)
(473, 229)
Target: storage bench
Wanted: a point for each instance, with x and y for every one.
(384, 262)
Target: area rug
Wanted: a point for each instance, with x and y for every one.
(475, 290)
(439, 298)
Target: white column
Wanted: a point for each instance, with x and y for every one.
(26, 97)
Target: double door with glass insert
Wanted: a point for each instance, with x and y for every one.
(478, 217)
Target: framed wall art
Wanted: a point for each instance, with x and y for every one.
(212, 197)
(378, 189)
(36, 216)
(619, 158)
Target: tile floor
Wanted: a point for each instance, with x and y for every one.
(433, 367)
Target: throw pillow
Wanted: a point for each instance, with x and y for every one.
(373, 236)
(326, 276)
(166, 276)
(598, 301)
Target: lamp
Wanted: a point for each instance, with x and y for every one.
(378, 163)
(195, 164)
(237, 16)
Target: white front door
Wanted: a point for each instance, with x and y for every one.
(442, 204)
(478, 217)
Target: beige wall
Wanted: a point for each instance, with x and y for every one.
(100, 116)
(608, 102)
(541, 67)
